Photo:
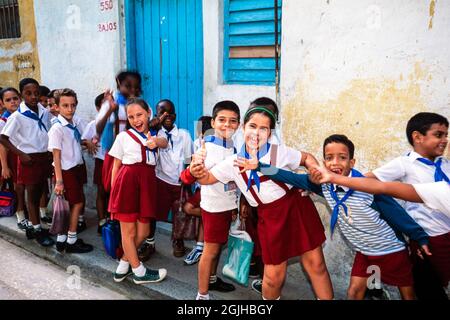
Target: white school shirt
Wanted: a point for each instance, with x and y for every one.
(25, 133)
(363, 227)
(77, 121)
(61, 137)
(408, 169)
(129, 151)
(238, 138)
(90, 133)
(218, 197)
(435, 195)
(287, 158)
(172, 159)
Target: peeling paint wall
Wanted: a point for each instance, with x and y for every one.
(361, 68)
(19, 57)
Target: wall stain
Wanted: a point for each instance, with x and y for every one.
(432, 11)
(372, 112)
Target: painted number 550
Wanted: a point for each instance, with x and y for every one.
(106, 5)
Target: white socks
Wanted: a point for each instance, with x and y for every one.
(61, 238)
(139, 271)
(213, 279)
(270, 299)
(71, 237)
(199, 246)
(20, 216)
(150, 240)
(37, 227)
(123, 267)
(102, 222)
(43, 212)
(202, 296)
(80, 218)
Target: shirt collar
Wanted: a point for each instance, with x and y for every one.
(173, 132)
(413, 156)
(63, 120)
(23, 108)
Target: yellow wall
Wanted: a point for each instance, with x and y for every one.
(21, 52)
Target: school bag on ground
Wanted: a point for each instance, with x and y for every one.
(185, 226)
(112, 241)
(240, 250)
(7, 199)
(61, 216)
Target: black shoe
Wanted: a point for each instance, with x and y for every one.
(257, 285)
(24, 225)
(254, 272)
(30, 233)
(42, 237)
(81, 226)
(79, 247)
(221, 286)
(61, 246)
(47, 220)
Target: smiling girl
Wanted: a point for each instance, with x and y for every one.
(133, 194)
(288, 224)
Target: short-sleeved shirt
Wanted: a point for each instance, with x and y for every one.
(89, 134)
(287, 158)
(61, 137)
(408, 169)
(218, 197)
(126, 149)
(25, 133)
(435, 195)
(173, 158)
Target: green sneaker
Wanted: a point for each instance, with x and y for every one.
(119, 277)
(150, 276)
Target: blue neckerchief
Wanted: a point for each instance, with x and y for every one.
(30, 114)
(169, 137)
(6, 114)
(76, 132)
(439, 175)
(147, 149)
(221, 142)
(340, 202)
(263, 150)
(121, 99)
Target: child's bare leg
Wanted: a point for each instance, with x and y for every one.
(101, 202)
(75, 211)
(143, 230)
(314, 263)
(205, 266)
(357, 288)
(407, 293)
(20, 192)
(273, 280)
(128, 232)
(201, 235)
(34, 193)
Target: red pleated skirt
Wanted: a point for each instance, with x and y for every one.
(108, 164)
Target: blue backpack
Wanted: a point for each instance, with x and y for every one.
(111, 239)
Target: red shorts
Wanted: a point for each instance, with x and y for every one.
(98, 167)
(12, 163)
(36, 173)
(440, 258)
(167, 200)
(216, 226)
(73, 180)
(288, 227)
(395, 268)
(108, 164)
(134, 191)
(129, 217)
(195, 199)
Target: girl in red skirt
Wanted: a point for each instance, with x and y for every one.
(133, 192)
(288, 223)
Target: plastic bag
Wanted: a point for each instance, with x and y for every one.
(240, 250)
(61, 216)
(184, 226)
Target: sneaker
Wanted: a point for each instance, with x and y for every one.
(60, 246)
(119, 277)
(179, 249)
(254, 273)
(81, 226)
(23, 225)
(79, 247)
(221, 286)
(47, 220)
(43, 238)
(257, 285)
(146, 250)
(193, 257)
(150, 276)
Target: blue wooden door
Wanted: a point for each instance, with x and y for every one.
(165, 44)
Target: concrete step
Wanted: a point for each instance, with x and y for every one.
(181, 281)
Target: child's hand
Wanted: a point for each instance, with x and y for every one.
(151, 142)
(247, 164)
(423, 249)
(91, 147)
(59, 188)
(320, 174)
(200, 156)
(198, 170)
(109, 97)
(6, 173)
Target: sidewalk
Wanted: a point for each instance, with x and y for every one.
(181, 281)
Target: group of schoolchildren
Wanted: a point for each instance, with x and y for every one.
(237, 170)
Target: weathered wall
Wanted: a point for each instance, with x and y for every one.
(361, 68)
(19, 57)
(214, 88)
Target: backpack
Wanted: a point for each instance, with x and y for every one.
(7, 199)
(111, 239)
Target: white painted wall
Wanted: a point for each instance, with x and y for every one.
(73, 52)
(214, 89)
